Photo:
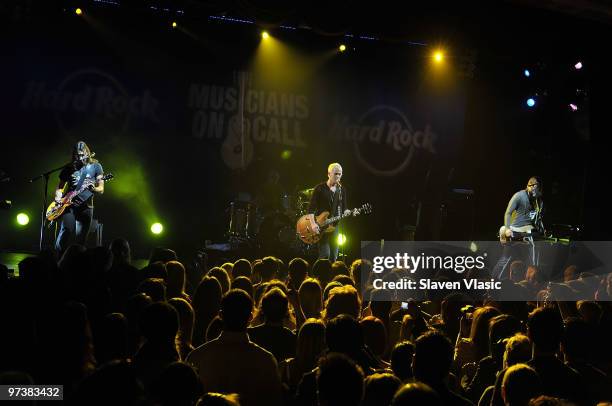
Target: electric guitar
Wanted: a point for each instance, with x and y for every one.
(306, 227)
(534, 231)
(524, 234)
(55, 209)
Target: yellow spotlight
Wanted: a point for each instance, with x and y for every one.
(157, 228)
(341, 239)
(265, 35)
(173, 24)
(342, 48)
(438, 56)
(78, 11)
(23, 219)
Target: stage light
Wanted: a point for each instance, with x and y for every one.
(286, 154)
(473, 246)
(23, 219)
(341, 239)
(438, 56)
(342, 48)
(78, 11)
(526, 73)
(531, 102)
(173, 24)
(157, 228)
(578, 65)
(265, 35)
(573, 107)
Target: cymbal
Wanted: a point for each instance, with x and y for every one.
(306, 192)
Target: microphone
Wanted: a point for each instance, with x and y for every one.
(89, 156)
(82, 160)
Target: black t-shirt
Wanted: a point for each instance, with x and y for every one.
(75, 178)
(322, 199)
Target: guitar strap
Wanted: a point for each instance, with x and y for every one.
(336, 202)
(82, 197)
(537, 221)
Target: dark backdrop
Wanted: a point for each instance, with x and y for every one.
(160, 108)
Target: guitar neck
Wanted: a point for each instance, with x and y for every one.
(334, 219)
(87, 183)
(81, 189)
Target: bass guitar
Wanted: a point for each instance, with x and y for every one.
(310, 229)
(524, 234)
(55, 209)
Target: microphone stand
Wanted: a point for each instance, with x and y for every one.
(45, 175)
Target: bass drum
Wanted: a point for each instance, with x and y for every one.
(277, 233)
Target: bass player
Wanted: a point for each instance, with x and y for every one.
(524, 211)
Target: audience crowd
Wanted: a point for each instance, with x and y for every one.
(265, 332)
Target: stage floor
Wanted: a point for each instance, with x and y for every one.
(11, 260)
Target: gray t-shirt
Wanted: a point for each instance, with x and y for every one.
(522, 206)
(75, 179)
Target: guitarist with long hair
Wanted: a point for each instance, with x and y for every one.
(329, 196)
(76, 219)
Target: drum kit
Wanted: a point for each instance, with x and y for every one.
(272, 229)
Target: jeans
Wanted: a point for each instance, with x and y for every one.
(328, 245)
(75, 224)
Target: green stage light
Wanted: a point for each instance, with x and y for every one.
(286, 154)
(341, 239)
(133, 187)
(23, 219)
(157, 228)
